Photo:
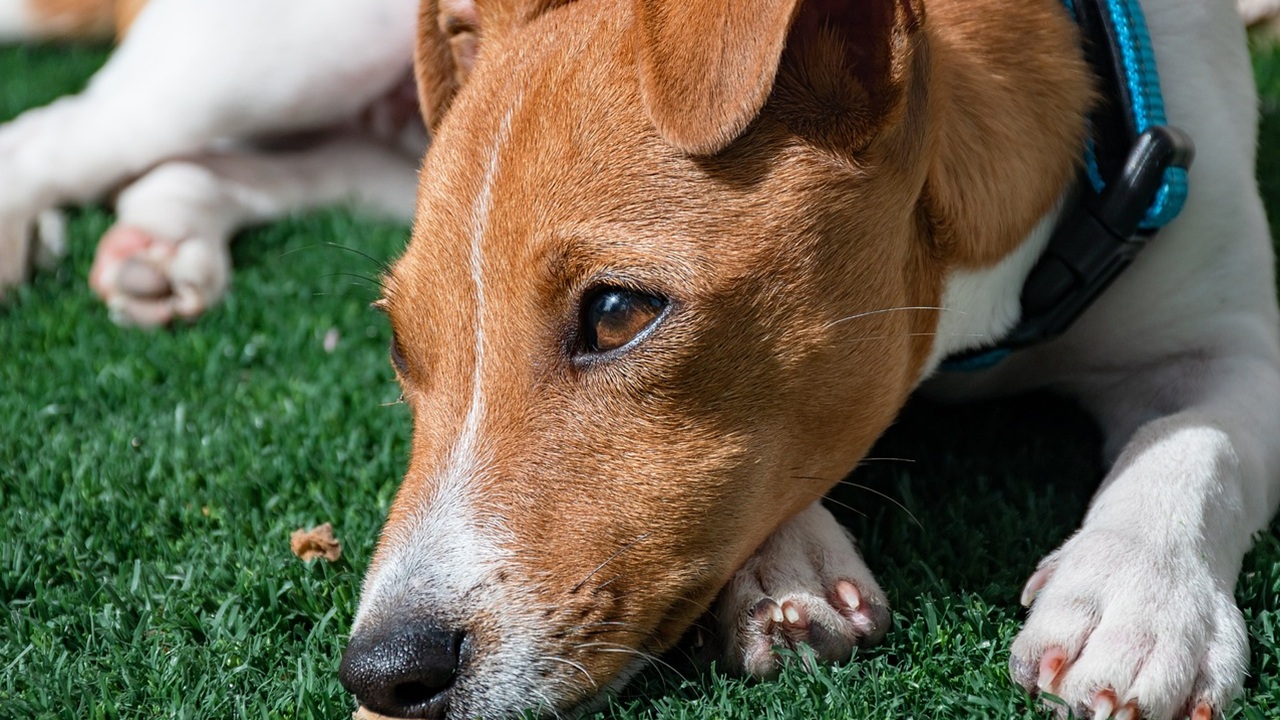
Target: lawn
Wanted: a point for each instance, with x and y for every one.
(149, 483)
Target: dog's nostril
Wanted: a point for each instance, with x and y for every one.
(402, 669)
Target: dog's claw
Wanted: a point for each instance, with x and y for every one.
(795, 616)
(767, 610)
(870, 618)
(1051, 664)
(1034, 584)
(848, 594)
(1104, 705)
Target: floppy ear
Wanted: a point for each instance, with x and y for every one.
(707, 68)
(448, 36)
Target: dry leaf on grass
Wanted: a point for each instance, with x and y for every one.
(315, 543)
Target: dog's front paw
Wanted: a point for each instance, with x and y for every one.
(148, 281)
(1120, 627)
(806, 586)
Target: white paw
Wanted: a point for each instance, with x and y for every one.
(1120, 627)
(149, 281)
(806, 585)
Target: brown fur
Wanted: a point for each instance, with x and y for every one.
(85, 19)
(780, 216)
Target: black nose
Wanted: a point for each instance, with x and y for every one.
(402, 669)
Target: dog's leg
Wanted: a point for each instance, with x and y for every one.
(190, 73)
(807, 584)
(1135, 613)
(169, 253)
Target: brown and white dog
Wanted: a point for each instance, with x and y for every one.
(677, 265)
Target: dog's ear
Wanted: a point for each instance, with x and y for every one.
(707, 68)
(448, 37)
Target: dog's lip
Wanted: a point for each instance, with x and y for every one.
(435, 707)
(364, 713)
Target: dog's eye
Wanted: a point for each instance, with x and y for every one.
(397, 357)
(612, 317)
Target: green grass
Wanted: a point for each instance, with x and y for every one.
(149, 483)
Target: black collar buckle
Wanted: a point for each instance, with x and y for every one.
(1097, 239)
(1100, 231)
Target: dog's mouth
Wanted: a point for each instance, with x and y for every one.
(508, 652)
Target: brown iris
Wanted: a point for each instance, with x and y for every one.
(613, 317)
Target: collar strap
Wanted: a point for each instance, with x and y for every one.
(1133, 183)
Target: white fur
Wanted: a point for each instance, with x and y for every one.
(445, 541)
(16, 20)
(138, 111)
(980, 306)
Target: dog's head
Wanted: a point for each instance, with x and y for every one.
(663, 292)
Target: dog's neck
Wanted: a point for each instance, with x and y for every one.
(1010, 129)
(1009, 124)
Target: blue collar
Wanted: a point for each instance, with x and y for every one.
(1133, 183)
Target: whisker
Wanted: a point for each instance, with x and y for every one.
(823, 496)
(844, 505)
(615, 648)
(393, 403)
(610, 559)
(605, 584)
(546, 702)
(607, 625)
(867, 488)
(886, 459)
(575, 666)
(701, 606)
(366, 280)
(868, 313)
(382, 265)
(869, 338)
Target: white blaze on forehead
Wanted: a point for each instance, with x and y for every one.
(444, 548)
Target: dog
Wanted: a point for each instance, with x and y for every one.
(674, 268)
